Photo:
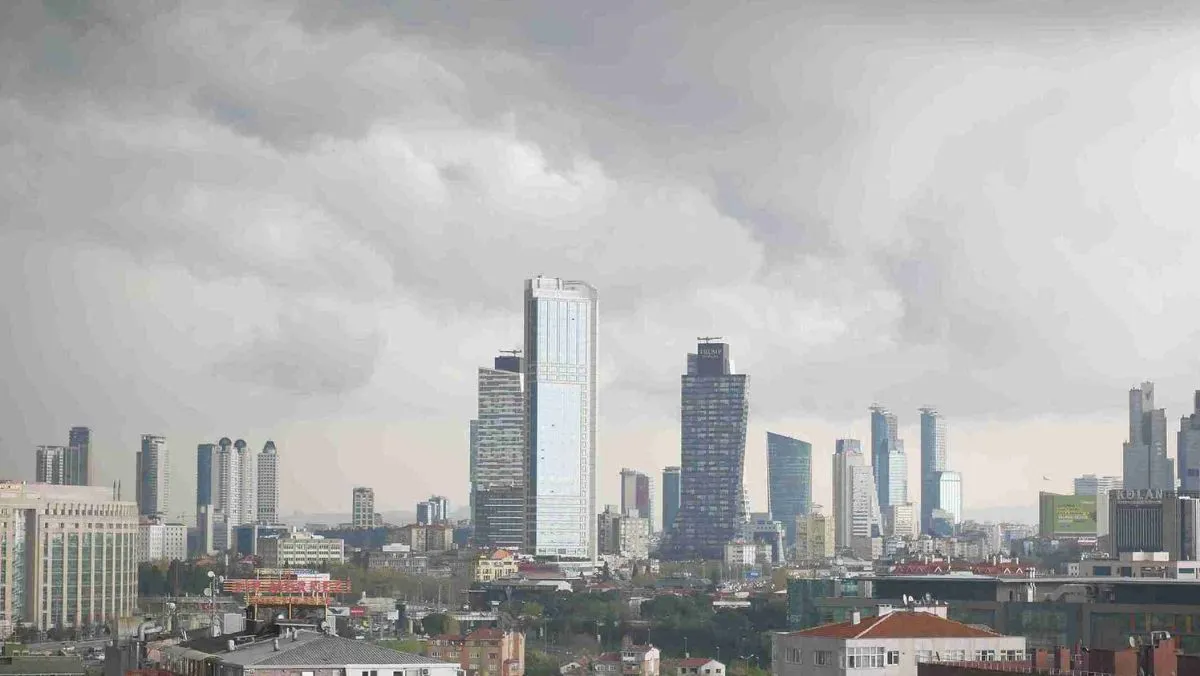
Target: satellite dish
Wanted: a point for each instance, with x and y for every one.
(1132, 642)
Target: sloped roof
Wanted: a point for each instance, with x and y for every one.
(692, 662)
(335, 651)
(898, 624)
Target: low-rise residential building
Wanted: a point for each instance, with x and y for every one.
(623, 534)
(160, 541)
(893, 642)
(699, 666)
(814, 537)
(483, 652)
(428, 538)
(398, 557)
(300, 550)
(499, 564)
(741, 554)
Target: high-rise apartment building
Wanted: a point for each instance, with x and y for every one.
(637, 493)
(49, 469)
(268, 485)
(847, 454)
(363, 508)
(888, 461)
(227, 484)
(933, 460)
(153, 476)
(901, 520)
(434, 510)
(499, 455)
(670, 499)
(1092, 484)
(560, 376)
(69, 557)
(714, 417)
(814, 536)
(789, 481)
(77, 462)
(247, 459)
(1145, 461)
(950, 492)
(1188, 455)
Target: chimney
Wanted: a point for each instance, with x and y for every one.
(275, 645)
(856, 617)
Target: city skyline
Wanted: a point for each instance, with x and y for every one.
(886, 243)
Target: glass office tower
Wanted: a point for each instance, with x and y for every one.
(789, 481)
(560, 374)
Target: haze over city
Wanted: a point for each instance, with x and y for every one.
(311, 224)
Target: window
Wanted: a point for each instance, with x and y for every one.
(924, 656)
(893, 657)
(1011, 655)
(985, 655)
(794, 656)
(865, 658)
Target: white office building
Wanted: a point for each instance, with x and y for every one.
(160, 541)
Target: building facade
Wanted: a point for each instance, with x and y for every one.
(1091, 484)
(715, 413)
(887, 458)
(499, 455)
(814, 537)
(950, 496)
(847, 453)
(49, 468)
(789, 481)
(483, 652)
(670, 498)
(362, 500)
(560, 374)
(1145, 462)
(77, 463)
(623, 534)
(268, 485)
(637, 493)
(161, 541)
(300, 550)
(247, 459)
(902, 520)
(933, 460)
(153, 476)
(68, 556)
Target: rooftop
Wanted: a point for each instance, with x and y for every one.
(310, 649)
(898, 624)
(692, 662)
(41, 666)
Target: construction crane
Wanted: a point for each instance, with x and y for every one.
(708, 339)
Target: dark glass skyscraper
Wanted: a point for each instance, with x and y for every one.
(498, 456)
(77, 463)
(933, 462)
(888, 462)
(715, 411)
(670, 483)
(789, 481)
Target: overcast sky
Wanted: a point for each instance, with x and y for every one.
(312, 224)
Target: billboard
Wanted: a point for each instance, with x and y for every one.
(1068, 515)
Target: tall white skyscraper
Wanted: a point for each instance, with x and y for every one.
(888, 462)
(933, 460)
(268, 484)
(362, 507)
(847, 454)
(153, 476)
(247, 458)
(560, 374)
(1091, 484)
(227, 489)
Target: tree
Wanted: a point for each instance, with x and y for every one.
(440, 623)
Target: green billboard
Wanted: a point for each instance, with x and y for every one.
(1067, 515)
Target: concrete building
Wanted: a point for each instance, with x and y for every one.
(740, 554)
(637, 493)
(626, 535)
(1145, 462)
(670, 499)
(153, 476)
(631, 660)
(1155, 521)
(483, 652)
(69, 465)
(902, 520)
(69, 557)
(299, 549)
(699, 666)
(304, 653)
(247, 459)
(49, 464)
(1092, 484)
(561, 328)
(161, 541)
(893, 642)
(847, 453)
(268, 485)
(430, 538)
(815, 540)
(499, 454)
(499, 564)
(789, 481)
(1155, 565)
(715, 413)
(769, 534)
(933, 461)
(363, 508)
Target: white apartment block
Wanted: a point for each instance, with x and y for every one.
(158, 541)
(891, 643)
(300, 550)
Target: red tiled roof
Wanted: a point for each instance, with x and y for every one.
(898, 624)
(609, 657)
(694, 662)
(485, 633)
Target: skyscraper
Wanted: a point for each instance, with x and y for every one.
(1189, 448)
(227, 483)
(1091, 484)
(789, 481)
(933, 460)
(888, 462)
(207, 489)
(950, 494)
(77, 462)
(636, 493)
(865, 518)
(847, 453)
(714, 416)
(670, 484)
(1145, 461)
(268, 485)
(247, 459)
(153, 476)
(363, 507)
(49, 469)
(499, 455)
(560, 374)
